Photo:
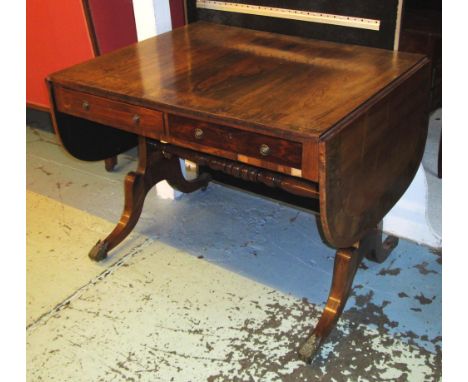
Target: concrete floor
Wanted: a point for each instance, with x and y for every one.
(217, 286)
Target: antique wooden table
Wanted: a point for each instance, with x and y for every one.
(344, 125)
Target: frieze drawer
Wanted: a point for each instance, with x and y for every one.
(132, 118)
(262, 147)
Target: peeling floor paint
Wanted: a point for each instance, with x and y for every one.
(192, 322)
(191, 298)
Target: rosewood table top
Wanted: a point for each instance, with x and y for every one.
(265, 82)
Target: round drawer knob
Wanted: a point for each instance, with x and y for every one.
(198, 133)
(85, 105)
(136, 119)
(265, 150)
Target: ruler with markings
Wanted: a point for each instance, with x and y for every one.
(282, 13)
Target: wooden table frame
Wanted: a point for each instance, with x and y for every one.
(350, 139)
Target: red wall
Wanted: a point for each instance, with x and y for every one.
(177, 13)
(114, 23)
(56, 37)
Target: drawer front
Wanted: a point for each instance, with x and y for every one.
(263, 147)
(132, 118)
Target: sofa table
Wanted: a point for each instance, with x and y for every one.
(340, 124)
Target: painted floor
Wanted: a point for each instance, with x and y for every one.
(216, 286)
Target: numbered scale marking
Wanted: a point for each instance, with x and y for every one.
(313, 17)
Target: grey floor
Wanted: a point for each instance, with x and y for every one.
(216, 286)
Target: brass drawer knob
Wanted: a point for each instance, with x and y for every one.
(198, 133)
(265, 150)
(136, 119)
(85, 105)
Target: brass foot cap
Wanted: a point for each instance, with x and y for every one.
(99, 251)
(309, 348)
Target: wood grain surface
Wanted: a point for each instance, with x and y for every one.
(264, 82)
(132, 118)
(368, 161)
(352, 118)
(276, 150)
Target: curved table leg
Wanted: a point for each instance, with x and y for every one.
(154, 166)
(110, 163)
(176, 179)
(347, 261)
(346, 264)
(374, 249)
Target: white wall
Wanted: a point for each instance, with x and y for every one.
(408, 218)
(153, 17)
(162, 15)
(144, 19)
